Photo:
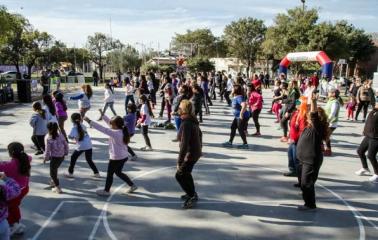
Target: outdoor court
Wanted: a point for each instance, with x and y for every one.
(243, 194)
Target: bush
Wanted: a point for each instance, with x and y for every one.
(200, 64)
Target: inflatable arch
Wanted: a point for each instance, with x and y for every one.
(319, 56)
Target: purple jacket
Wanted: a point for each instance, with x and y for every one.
(56, 147)
(60, 112)
(11, 190)
(130, 122)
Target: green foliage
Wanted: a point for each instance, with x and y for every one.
(124, 59)
(201, 41)
(99, 45)
(200, 64)
(244, 38)
(299, 31)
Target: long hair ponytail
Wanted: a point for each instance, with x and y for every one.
(16, 150)
(120, 124)
(47, 100)
(147, 102)
(76, 120)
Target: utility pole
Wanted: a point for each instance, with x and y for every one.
(303, 4)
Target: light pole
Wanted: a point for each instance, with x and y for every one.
(304, 4)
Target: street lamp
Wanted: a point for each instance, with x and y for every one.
(303, 2)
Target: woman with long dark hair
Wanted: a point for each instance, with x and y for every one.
(145, 121)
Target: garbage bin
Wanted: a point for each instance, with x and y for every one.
(24, 90)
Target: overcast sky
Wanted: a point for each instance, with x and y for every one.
(153, 21)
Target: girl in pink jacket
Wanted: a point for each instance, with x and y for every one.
(255, 104)
(18, 168)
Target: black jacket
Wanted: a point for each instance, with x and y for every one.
(190, 137)
(309, 143)
(371, 125)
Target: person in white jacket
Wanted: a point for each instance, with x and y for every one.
(109, 99)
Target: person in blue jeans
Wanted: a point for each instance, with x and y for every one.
(241, 116)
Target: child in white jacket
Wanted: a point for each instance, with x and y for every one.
(109, 99)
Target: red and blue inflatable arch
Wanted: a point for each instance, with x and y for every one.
(319, 56)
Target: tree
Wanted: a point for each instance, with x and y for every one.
(99, 45)
(291, 32)
(13, 49)
(244, 38)
(124, 59)
(35, 46)
(5, 24)
(200, 42)
(200, 64)
(54, 55)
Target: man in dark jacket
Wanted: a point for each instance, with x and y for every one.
(370, 145)
(190, 137)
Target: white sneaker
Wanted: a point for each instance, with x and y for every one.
(96, 176)
(17, 229)
(146, 148)
(363, 172)
(374, 178)
(69, 175)
(132, 189)
(57, 190)
(102, 193)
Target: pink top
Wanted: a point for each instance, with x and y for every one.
(10, 168)
(56, 147)
(117, 148)
(255, 101)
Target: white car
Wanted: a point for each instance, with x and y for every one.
(8, 75)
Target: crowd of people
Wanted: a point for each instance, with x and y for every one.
(306, 127)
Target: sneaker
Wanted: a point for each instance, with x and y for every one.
(374, 178)
(134, 158)
(17, 229)
(69, 175)
(227, 144)
(38, 153)
(132, 189)
(284, 139)
(190, 203)
(305, 208)
(290, 174)
(102, 193)
(96, 176)
(243, 146)
(296, 185)
(184, 197)
(146, 148)
(256, 134)
(57, 190)
(363, 172)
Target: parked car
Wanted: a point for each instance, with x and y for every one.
(9, 75)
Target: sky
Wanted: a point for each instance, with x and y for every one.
(154, 22)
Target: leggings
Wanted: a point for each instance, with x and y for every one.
(255, 117)
(14, 207)
(369, 145)
(145, 135)
(54, 165)
(88, 156)
(239, 124)
(115, 167)
(365, 106)
(39, 142)
(307, 176)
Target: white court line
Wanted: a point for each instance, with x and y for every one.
(357, 215)
(47, 222)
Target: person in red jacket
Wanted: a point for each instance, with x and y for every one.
(256, 82)
(255, 104)
(298, 123)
